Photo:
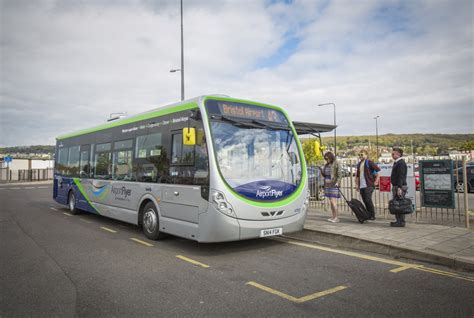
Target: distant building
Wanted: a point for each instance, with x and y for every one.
(25, 164)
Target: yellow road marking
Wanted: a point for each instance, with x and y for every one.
(294, 299)
(141, 242)
(400, 269)
(444, 273)
(54, 209)
(68, 214)
(353, 254)
(184, 258)
(107, 229)
(85, 221)
(401, 265)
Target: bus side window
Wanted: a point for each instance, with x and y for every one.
(61, 165)
(84, 165)
(102, 161)
(181, 154)
(150, 158)
(122, 160)
(73, 161)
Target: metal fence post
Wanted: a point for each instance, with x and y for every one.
(466, 192)
(350, 173)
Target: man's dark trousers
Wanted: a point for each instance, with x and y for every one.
(366, 194)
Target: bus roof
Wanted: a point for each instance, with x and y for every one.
(160, 111)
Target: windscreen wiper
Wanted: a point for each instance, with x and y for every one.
(238, 122)
(271, 125)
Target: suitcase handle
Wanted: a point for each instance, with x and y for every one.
(342, 194)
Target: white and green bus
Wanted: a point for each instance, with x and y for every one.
(209, 169)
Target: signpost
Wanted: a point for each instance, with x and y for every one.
(8, 159)
(437, 184)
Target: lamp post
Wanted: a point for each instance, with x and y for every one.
(182, 56)
(377, 134)
(334, 105)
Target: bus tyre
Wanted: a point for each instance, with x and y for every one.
(150, 222)
(72, 203)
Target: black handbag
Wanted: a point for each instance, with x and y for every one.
(400, 205)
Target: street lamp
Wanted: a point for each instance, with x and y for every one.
(377, 134)
(334, 105)
(182, 56)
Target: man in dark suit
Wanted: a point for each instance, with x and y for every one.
(398, 180)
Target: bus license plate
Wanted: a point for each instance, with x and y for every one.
(271, 232)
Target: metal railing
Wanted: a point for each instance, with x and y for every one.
(456, 216)
(9, 175)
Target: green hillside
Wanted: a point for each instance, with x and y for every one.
(423, 144)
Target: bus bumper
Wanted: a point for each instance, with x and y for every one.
(252, 229)
(217, 227)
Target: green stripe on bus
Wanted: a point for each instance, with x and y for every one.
(131, 120)
(77, 182)
(300, 188)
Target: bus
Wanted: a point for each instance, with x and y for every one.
(209, 169)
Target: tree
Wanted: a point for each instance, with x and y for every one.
(313, 151)
(467, 146)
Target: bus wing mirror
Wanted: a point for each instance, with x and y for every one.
(189, 136)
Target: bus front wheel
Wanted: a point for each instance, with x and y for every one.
(151, 222)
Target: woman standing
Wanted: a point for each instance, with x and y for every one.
(332, 175)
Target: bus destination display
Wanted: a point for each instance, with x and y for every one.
(251, 112)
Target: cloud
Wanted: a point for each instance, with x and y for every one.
(67, 65)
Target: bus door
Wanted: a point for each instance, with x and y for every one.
(84, 173)
(61, 171)
(180, 200)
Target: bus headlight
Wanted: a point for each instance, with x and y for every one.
(221, 203)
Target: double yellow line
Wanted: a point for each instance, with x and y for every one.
(401, 266)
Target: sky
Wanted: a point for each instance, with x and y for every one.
(66, 65)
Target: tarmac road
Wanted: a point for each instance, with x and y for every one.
(55, 264)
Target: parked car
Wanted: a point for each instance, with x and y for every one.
(347, 170)
(459, 179)
(417, 177)
(417, 180)
(315, 183)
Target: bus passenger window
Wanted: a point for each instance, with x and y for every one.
(122, 160)
(150, 158)
(181, 154)
(61, 165)
(102, 161)
(73, 161)
(85, 166)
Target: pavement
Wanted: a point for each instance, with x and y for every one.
(438, 244)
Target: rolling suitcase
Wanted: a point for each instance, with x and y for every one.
(358, 208)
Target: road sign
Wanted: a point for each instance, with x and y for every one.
(8, 159)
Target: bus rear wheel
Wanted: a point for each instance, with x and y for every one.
(72, 203)
(151, 222)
